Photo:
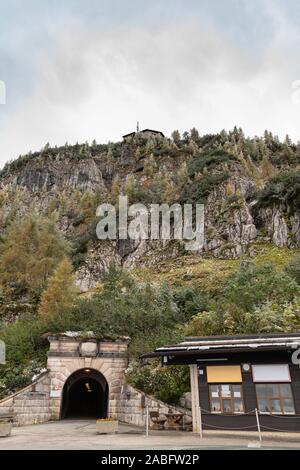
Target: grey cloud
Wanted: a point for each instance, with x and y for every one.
(97, 83)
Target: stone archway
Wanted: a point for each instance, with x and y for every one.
(69, 359)
(85, 395)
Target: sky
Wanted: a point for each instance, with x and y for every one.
(78, 70)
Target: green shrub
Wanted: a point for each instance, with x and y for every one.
(167, 384)
(199, 190)
(253, 285)
(283, 189)
(293, 269)
(210, 161)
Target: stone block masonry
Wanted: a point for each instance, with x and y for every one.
(42, 400)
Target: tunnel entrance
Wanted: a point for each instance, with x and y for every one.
(85, 395)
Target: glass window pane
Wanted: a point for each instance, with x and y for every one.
(227, 406)
(275, 406)
(225, 391)
(263, 406)
(285, 390)
(214, 391)
(288, 407)
(237, 391)
(261, 390)
(238, 406)
(272, 390)
(215, 406)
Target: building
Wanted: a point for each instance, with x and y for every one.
(232, 377)
(145, 133)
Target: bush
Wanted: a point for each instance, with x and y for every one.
(210, 161)
(283, 189)
(253, 285)
(199, 190)
(293, 269)
(167, 384)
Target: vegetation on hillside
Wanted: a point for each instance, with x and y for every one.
(47, 234)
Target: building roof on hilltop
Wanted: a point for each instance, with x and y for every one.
(143, 132)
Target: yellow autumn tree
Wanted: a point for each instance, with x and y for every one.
(30, 250)
(60, 293)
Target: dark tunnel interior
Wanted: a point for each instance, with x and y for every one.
(85, 395)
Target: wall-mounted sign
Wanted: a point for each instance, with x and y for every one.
(268, 373)
(55, 394)
(88, 349)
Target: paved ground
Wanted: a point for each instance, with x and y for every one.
(73, 435)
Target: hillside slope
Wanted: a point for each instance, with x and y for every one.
(246, 280)
(250, 188)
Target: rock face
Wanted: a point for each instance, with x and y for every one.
(58, 175)
(48, 180)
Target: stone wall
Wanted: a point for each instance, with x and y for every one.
(42, 400)
(133, 408)
(31, 405)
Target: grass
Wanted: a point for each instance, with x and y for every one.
(209, 273)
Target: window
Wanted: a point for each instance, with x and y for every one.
(226, 398)
(275, 399)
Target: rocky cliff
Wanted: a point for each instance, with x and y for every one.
(250, 188)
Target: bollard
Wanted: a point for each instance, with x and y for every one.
(200, 423)
(147, 421)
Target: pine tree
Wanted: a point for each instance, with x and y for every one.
(149, 146)
(182, 175)
(110, 160)
(60, 293)
(116, 189)
(176, 137)
(150, 166)
(138, 154)
(194, 135)
(129, 188)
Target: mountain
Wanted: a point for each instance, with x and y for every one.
(245, 280)
(250, 188)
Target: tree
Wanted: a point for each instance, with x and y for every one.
(110, 160)
(116, 189)
(150, 166)
(270, 317)
(130, 188)
(182, 176)
(30, 250)
(288, 142)
(195, 135)
(176, 137)
(60, 294)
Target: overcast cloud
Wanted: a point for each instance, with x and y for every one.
(79, 70)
